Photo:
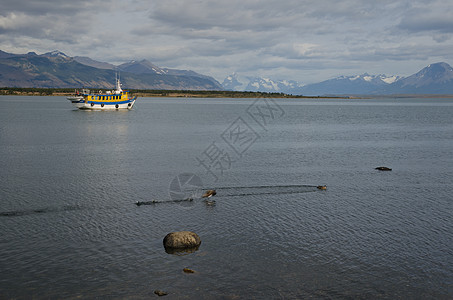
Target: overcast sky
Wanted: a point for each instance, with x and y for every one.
(306, 41)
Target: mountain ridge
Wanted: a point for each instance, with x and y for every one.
(436, 78)
(57, 70)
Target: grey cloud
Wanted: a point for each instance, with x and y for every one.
(434, 16)
(231, 15)
(50, 7)
(42, 27)
(441, 24)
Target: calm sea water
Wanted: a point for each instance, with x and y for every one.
(69, 181)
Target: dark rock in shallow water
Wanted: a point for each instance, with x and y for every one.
(383, 169)
(181, 240)
(138, 203)
(187, 270)
(160, 293)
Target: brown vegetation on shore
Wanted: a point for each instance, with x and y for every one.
(151, 93)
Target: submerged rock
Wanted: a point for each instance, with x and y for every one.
(182, 240)
(138, 203)
(209, 193)
(383, 169)
(187, 270)
(160, 293)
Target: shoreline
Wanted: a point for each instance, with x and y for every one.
(64, 92)
(158, 93)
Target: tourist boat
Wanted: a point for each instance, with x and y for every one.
(116, 99)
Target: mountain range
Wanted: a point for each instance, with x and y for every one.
(434, 79)
(57, 70)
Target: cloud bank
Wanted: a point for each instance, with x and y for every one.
(307, 41)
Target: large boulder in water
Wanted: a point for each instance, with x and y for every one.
(181, 240)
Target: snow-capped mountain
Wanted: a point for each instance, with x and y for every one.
(54, 56)
(359, 84)
(260, 84)
(377, 79)
(434, 79)
(232, 83)
(55, 53)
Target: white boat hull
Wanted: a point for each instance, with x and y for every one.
(75, 98)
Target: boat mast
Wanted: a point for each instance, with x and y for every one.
(118, 83)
